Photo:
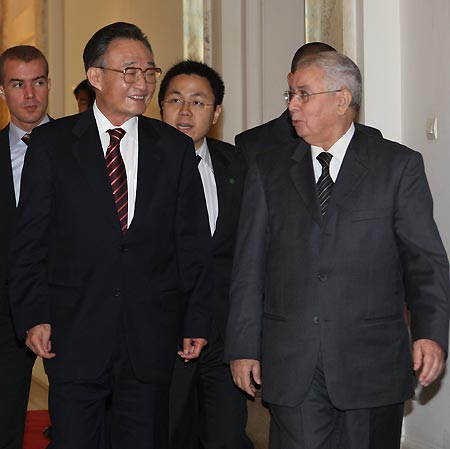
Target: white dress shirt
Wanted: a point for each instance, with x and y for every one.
(128, 149)
(337, 150)
(206, 171)
(18, 148)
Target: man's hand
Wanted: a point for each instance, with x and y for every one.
(245, 372)
(428, 357)
(38, 340)
(192, 347)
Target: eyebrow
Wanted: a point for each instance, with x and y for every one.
(131, 63)
(194, 94)
(15, 80)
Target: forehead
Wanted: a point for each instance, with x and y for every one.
(18, 69)
(308, 76)
(128, 51)
(190, 85)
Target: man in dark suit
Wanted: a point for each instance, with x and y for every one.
(280, 130)
(336, 233)
(206, 408)
(24, 85)
(110, 253)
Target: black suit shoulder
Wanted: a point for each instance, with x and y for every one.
(265, 136)
(368, 129)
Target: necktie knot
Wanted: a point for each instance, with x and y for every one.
(324, 158)
(199, 158)
(116, 134)
(26, 138)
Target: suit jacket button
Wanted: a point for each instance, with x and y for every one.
(316, 320)
(117, 292)
(322, 277)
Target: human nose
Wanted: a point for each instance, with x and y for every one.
(185, 107)
(29, 91)
(140, 81)
(293, 103)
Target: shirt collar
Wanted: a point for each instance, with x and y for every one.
(16, 133)
(103, 124)
(203, 152)
(339, 148)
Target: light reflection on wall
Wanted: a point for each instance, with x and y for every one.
(22, 22)
(324, 22)
(193, 30)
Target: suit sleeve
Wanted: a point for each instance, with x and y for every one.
(424, 260)
(241, 146)
(194, 248)
(243, 336)
(29, 249)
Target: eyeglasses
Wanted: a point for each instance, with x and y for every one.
(133, 74)
(178, 103)
(302, 96)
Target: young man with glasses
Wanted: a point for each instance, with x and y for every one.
(206, 408)
(110, 258)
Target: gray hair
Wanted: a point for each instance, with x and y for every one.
(340, 72)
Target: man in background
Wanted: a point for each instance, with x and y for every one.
(84, 95)
(24, 85)
(206, 408)
(110, 254)
(280, 130)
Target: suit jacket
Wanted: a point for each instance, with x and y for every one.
(73, 268)
(275, 132)
(303, 285)
(229, 173)
(8, 202)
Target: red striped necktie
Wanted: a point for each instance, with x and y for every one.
(117, 175)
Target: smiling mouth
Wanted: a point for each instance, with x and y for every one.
(137, 97)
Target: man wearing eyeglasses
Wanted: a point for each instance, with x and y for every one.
(110, 258)
(280, 130)
(336, 234)
(206, 408)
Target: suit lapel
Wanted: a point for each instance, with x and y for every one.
(88, 152)
(352, 172)
(224, 185)
(302, 175)
(150, 155)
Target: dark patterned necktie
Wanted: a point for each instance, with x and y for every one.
(325, 183)
(117, 175)
(26, 138)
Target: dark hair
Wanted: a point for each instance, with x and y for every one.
(84, 85)
(189, 67)
(98, 44)
(25, 53)
(311, 48)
